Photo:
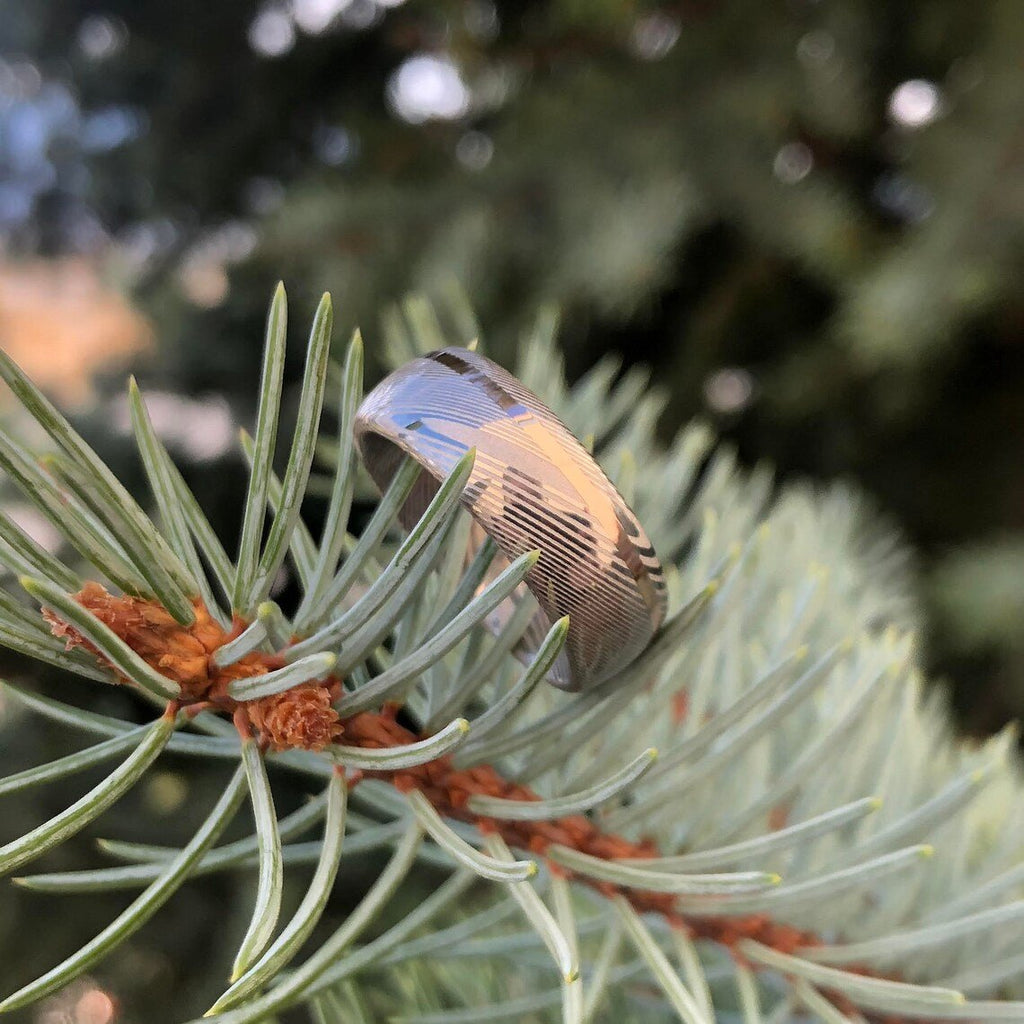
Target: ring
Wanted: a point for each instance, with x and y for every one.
(533, 486)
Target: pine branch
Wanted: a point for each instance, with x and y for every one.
(810, 837)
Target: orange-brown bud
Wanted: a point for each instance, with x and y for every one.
(300, 718)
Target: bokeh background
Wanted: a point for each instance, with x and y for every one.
(806, 216)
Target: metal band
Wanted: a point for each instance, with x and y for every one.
(533, 486)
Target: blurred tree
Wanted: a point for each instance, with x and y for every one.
(807, 217)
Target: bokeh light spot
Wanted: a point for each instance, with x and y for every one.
(272, 32)
(35, 524)
(334, 145)
(362, 14)
(166, 792)
(793, 162)
(316, 16)
(729, 390)
(204, 283)
(81, 1002)
(94, 1006)
(111, 127)
(481, 20)
(654, 35)
(263, 195)
(203, 429)
(474, 151)
(915, 103)
(428, 87)
(101, 37)
(815, 49)
(903, 198)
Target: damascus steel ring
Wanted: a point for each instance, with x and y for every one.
(533, 486)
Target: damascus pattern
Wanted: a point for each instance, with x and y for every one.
(533, 486)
